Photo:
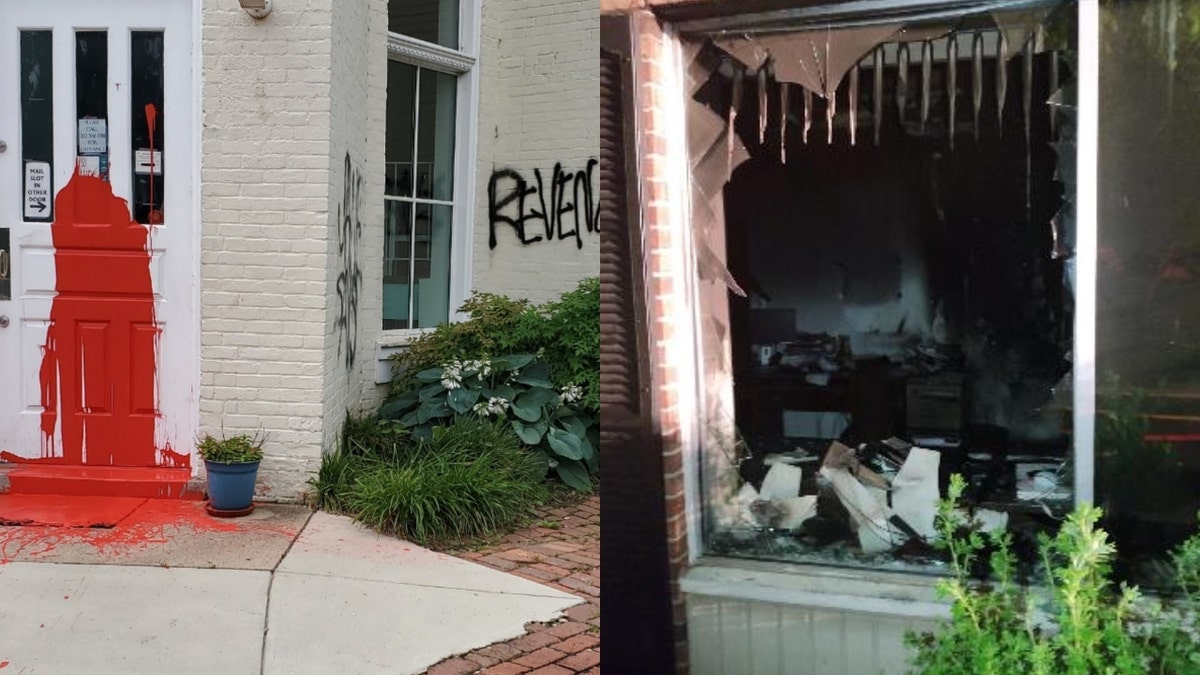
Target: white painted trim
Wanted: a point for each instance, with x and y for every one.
(848, 590)
(196, 370)
(417, 200)
(1086, 242)
(462, 240)
(428, 55)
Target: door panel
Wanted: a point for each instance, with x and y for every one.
(99, 361)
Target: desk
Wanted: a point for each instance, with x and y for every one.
(872, 393)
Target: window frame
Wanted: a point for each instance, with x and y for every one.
(463, 64)
(700, 488)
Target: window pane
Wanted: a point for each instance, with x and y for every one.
(396, 247)
(418, 251)
(146, 96)
(433, 21)
(37, 130)
(1148, 325)
(431, 287)
(435, 138)
(91, 102)
(401, 110)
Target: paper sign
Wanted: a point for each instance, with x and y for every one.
(93, 136)
(37, 190)
(142, 160)
(88, 166)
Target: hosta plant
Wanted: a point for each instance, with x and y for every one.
(515, 388)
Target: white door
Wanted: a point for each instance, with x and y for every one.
(98, 234)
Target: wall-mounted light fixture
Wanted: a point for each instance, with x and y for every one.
(256, 8)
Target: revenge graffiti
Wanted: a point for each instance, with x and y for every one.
(565, 205)
(350, 276)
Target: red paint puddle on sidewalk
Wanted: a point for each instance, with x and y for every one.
(100, 357)
(153, 523)
(65, 511)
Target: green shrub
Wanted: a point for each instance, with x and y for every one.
(1084, 625)
(565, 332)
(469, 479)
(571, 344)
(562, 435)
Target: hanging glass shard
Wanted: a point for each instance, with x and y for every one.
(807, 115)
(854, 105)
(1001, 80)
(877, 93)
(734, 103)
(977, 79)
(783, 114)
(926, 76)
(901, 80)
(952, 82)
(1027, 84)
(1026, 107)
(830, 112)
(762, 104)
(1053, 108)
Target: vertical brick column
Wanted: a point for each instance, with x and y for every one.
(665, 285)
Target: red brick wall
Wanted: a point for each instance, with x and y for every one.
(654, 55)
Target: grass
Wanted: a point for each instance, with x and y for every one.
(468, 481)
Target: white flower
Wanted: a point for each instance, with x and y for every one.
(553, 462)
(572, 393)
(493, 406)
(452, 375)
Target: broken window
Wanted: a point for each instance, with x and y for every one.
(884, 239)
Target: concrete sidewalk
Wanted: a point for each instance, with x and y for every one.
(281, 591)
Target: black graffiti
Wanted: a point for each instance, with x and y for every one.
(517, 203)
(350, 277)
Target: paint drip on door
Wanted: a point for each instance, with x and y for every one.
(99, 362)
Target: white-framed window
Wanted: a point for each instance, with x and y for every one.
(432, 85)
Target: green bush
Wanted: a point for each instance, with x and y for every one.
(1083, 625)
(565, 332)
(562, 435)
(469, 479)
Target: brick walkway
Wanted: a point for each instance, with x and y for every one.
(562, 551)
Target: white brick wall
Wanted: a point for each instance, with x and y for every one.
(539, 103)
(265, 211)
(359, 105)
(285, 99)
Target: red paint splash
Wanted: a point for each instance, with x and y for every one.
(99, 360)
(151, 525)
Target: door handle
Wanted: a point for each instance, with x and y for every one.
(3, 321)
(3, 146)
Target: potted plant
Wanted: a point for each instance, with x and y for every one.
(232, 468)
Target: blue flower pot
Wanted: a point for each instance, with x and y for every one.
(231, 486)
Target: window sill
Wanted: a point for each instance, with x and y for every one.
(389, 343)
(853, 590)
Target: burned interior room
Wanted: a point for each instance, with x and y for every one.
(897, 237)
